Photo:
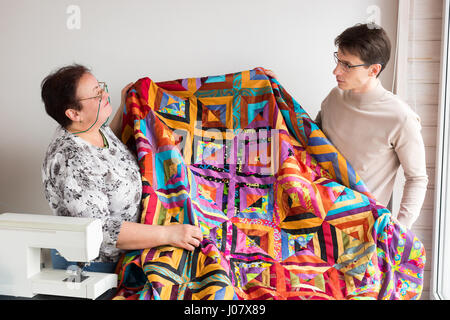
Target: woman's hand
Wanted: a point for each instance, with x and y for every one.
(116, 122)
(123, 94)
(135, 235)
(184, 236)
(270, 73)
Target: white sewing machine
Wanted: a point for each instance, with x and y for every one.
(77, 239)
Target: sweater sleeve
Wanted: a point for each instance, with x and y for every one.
(318, 119)
(410, 150)
(323, 107)
(71, 191)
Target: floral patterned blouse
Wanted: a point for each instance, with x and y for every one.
(82, 180)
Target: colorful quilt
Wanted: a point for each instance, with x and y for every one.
(283, 214)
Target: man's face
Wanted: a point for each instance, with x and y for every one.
(355, 79)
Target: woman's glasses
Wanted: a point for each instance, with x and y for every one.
(103, 87)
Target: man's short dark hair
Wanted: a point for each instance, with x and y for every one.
(368, 41)
(58, 92)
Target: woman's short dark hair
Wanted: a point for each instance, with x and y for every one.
(58, 92)
(368, 41)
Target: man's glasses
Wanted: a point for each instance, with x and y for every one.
(347, 67)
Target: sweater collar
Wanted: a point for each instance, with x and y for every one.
(366, 98)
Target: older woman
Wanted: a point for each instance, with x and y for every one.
(89, 172)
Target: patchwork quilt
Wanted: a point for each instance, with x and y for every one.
(283, 214)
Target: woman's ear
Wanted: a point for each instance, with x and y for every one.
(73, 115)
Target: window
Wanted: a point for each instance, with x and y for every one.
(440, 285)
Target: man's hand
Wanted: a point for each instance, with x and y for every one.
(396, 220)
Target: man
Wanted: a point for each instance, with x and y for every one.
(372, 128)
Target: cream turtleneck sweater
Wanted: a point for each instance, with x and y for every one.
(376, 132)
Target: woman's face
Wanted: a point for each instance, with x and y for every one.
(88, 89)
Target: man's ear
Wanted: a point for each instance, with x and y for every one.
(73, 115)
(374, 70)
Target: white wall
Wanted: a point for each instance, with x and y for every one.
(164, 40)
